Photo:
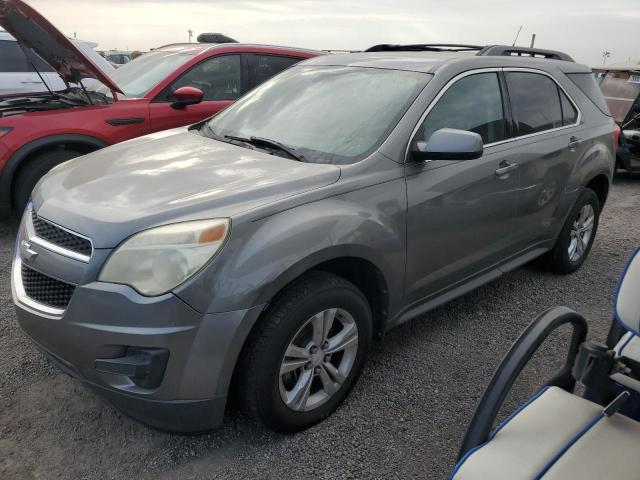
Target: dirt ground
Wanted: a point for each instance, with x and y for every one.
(405, 418)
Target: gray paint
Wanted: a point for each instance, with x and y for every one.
(432, 229)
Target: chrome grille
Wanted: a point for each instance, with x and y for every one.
(60, 237)
(46, 290)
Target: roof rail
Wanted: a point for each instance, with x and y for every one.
(509, 51)
(483, 50)
(425, 47)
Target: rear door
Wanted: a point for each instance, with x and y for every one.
(222, 79)
(461, 214)
(549, 143)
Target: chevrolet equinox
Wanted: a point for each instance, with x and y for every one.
(255, 255)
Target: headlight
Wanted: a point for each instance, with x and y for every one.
(157, 260)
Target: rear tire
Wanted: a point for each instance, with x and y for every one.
(285, 339)
(575, 240)
(31, 173)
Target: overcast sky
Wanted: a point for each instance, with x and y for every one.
(584, 29)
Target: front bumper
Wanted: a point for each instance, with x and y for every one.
(103, 321)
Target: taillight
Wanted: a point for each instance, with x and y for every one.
(616, 134)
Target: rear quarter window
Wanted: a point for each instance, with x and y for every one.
(587, 83)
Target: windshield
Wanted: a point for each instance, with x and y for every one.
(137, 77)
(329, 114)
(620, 90)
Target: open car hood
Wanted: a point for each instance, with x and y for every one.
(34, 31)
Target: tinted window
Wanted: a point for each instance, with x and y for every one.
(569, 112)
(12, 57)
(587, 83)
(264, 67)
(217, 77)
(473, 103)
(535, 102)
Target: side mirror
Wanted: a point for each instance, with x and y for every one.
(449, 144)
(184, 96)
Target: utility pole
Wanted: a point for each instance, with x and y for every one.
(533, 40)
(190, 32)
(605, 55)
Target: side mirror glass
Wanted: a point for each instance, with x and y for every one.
(184, 96)
(449, 144)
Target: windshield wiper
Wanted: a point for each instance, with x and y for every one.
(272, 144)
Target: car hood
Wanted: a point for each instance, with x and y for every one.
(164, 177)
(34, 31)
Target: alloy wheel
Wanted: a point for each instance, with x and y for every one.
(318, 359)
(581, 232)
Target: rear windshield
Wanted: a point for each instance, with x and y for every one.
(587, 83)
(620, 90)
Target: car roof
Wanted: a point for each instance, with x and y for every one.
(198, 48)
(430, 62)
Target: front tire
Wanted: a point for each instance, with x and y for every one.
(577, 235)
(306, 354)
(31, 173)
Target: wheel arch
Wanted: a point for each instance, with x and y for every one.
(22, 156)
(599, 183)
(357, 269)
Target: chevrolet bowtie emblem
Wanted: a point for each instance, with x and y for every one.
(27, 252)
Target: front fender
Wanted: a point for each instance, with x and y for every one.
(263, 256)
(24, 152)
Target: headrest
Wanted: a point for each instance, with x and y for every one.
(627, 302)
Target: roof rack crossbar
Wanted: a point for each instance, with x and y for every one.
(509, 51)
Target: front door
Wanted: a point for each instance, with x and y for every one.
(220, 78)
(461, 214)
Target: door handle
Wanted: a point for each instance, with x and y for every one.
(573, 143)
(505, 167)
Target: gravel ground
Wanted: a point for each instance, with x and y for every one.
(404, 419)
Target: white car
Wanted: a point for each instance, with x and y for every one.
(19, 67)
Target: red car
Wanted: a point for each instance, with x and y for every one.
(171, 86)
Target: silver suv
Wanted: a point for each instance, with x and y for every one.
(265, 248)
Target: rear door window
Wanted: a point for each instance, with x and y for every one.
(12, 58)
(263, 67)
(473, 103)
(535, 102)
